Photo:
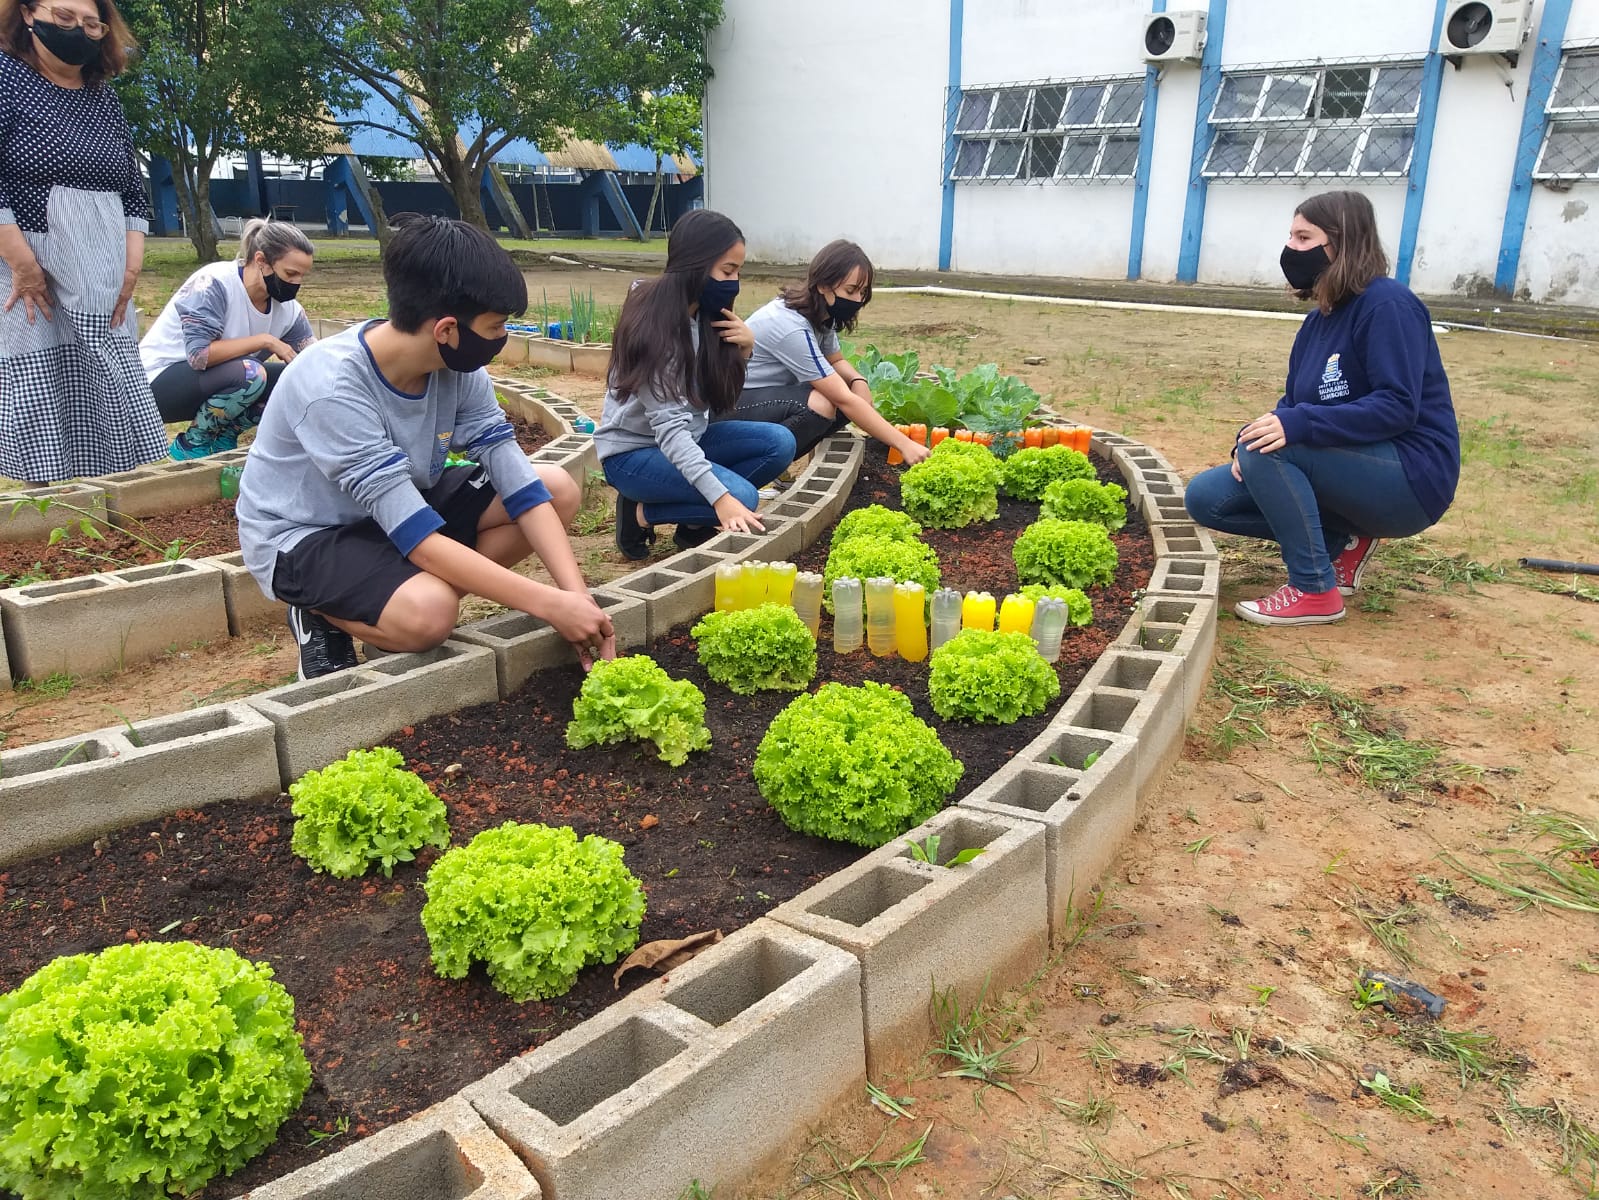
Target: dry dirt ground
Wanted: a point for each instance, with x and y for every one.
(1342, 792)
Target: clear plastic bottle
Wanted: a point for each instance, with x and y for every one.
(808, 599)
(847, 632)
(780, 578)
(910, 621)
(728, 586)
(946, 616)
(1015, 614)
(1049, 627)
(752, 593)
(880, 616)
(977, 611)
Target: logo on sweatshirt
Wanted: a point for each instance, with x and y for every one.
(1333, 384)
(441, 451)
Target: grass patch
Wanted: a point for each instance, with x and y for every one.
(840, 1172)
(1474, 1054)
(1562, 873)
(1095, 1112)
(1494, 441)
(979, 1040)
(1577, 1140)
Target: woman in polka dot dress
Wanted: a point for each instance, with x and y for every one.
(74, 399)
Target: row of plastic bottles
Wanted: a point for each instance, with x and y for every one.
(750, 584)
(896, 618)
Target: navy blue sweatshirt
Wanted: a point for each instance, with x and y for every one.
(1369, 371)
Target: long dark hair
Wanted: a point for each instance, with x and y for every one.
(16, 39)
(651, 348)
(832, 265)
(1350, 224)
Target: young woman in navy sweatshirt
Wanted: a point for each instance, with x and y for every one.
(1363, 445)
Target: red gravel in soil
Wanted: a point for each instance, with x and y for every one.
(385, 1036)
(204, 531)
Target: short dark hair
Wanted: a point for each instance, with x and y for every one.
(17, 40)
(833, 264)
(434, 267)
(1350, 223)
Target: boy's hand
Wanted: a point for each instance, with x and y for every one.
(579, 619)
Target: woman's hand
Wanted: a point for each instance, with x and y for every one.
(733, 330)
(1264, 434)
(29, 285)
(130, 280)
(734, 517)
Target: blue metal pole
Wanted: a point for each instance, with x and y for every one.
(1209, 85)
(952, 104)
(1146, 154)
(1540, 82)
(1432, 82)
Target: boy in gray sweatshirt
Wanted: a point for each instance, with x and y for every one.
(347, 511)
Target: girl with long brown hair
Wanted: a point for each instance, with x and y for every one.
(1363, 444)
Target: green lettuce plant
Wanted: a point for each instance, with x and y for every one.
(1079, 608)
(143, 1072)
(631, 698)
(876, 521)
(955, 485)
(855, 764)
(870, 556)
(766, 648)
(364, 809)
(534, 904)
(1076, 554)
(1029, 472)
(980, 675)
(1086, 500)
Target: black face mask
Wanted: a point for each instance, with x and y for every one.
(474, 352)
(716, 295)
(1301, 268)
(843, 311)
(71, 46)
(279, 288)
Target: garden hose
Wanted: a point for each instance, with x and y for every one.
(1559, 567)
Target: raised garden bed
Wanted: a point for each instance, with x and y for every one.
(386, 1037)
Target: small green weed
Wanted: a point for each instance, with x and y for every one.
(1578, 1141)
(926, 851)
(1095, 1112)
(979, 1040)
(1564, 874)
(51, 687)
(1474, 1054)
(1407, 1101)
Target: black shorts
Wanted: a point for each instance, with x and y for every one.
(353, 571)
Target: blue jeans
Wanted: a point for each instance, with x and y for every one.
(1310, 500)
(744, 454)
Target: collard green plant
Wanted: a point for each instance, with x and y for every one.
(364, 809)
(766, 648)
(952, 488)
(1086, 500)
(998, 678)
(869, 556)
(926, 851)
(855, 764)
(982, 400)
(534, 904)
(632, 698)
(1029, 472)
(1079, 608)
(1075, 554)
(143, 1072)
(876, 521)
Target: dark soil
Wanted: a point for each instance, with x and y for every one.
(385, 1036)
(192, 533)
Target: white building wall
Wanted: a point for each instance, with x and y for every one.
(811, 137)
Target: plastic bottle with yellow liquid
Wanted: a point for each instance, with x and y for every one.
(780, 578)
(910, 621)
(1016, 614)
(880, 616)
(752, 585)
(728, 586)
(977, 611)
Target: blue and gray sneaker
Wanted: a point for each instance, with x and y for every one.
(324, 648)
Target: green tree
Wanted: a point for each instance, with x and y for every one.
(666, 125)
(215, 77)
(464, 80)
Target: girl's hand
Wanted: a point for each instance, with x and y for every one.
(1264, 434)
(1237, 474)
(733, 329)
(29, 285)
(735, 518)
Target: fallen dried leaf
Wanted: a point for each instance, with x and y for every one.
(649, 821)
(667, 953)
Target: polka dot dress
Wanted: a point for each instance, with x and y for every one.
(74, 399)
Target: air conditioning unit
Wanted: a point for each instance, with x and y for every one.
(1174, 37)
(1485, 26)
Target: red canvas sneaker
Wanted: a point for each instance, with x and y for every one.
(1290, 606)
(1351, 562)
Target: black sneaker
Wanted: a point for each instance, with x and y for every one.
(324, 648)
(689, 536)
(632, 539)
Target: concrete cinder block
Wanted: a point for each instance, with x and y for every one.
(915, 926)
(5, 666)
(592, 359)
(1139, 694)
(672, 598)
(443, 1153)
(323, 719)
(705, 1074)
(68, 503)
(1182, 540)
(162, 488)
(59, 793)
(1138, 459)
(246, 603)
(1182, 627)
(1196, 577)
(574, 453)
(104, 622)
(545, 352)
(782, 541)
(524, 645)
(1087, 811)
